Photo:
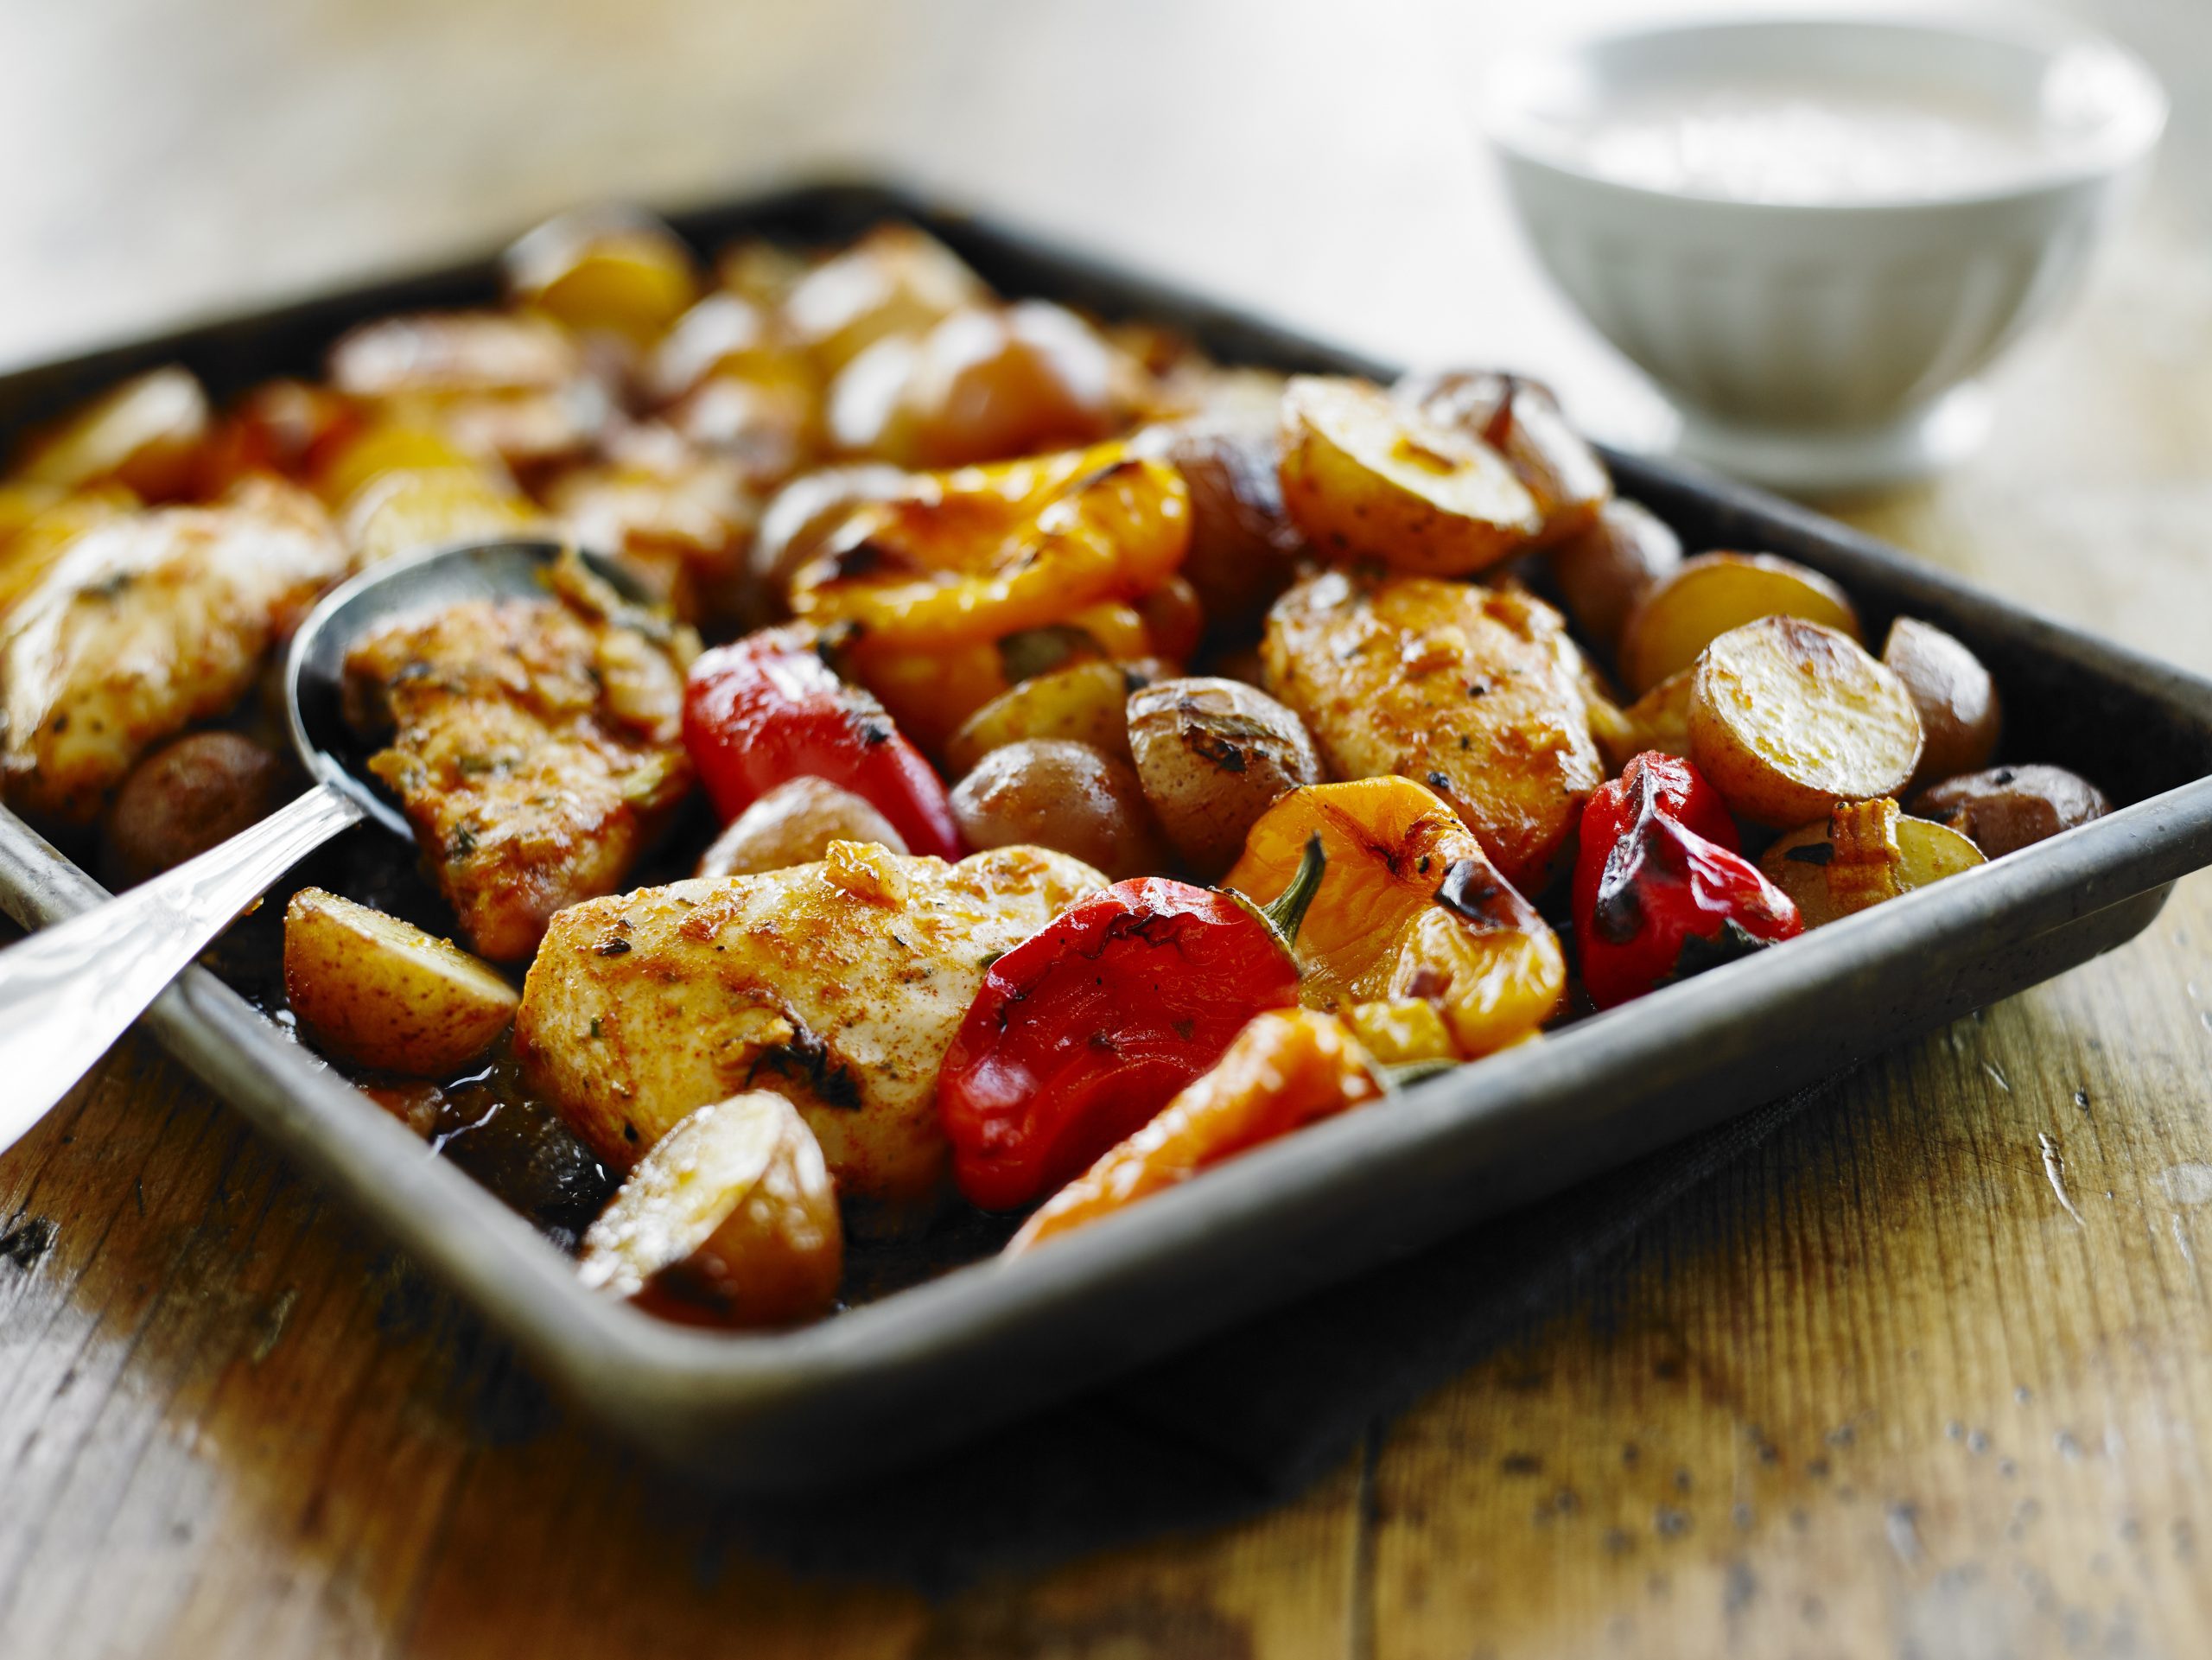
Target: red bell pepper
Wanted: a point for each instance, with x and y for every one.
(1084, 1031)
(1660, 890)
(764, 709)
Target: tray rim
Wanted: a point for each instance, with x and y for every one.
(629, 1366)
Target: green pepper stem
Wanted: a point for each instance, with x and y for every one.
(1284, 915)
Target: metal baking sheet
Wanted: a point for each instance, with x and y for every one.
(899, 1377)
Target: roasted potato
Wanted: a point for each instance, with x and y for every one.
(678, 519)
(1476, 692)
(144, 434)
(1363, 475)
(187, 796)
(806, 513)
(1659, 720)
(1086, 702)
(1959, 715)
(1605, 570)
(615, 268)
(1864, 853)
(1521, 420)
(1245, 546)
(1713, 593)
(1788, 717)
(1212, 756)
(2008, 808)
(1070, 798)
(724, 333)
(730, 1220)
(895, 280)
(794, 824)
(984, 384)
(380, 992)
(397, 513)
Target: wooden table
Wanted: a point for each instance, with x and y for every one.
(1931, 1374)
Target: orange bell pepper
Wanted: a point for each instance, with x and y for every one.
(982, 552)
(1410, 907)
(1286, 1069)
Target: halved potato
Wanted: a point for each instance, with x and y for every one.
(730, 1220)
(1864, 853)
(1084, 702)
(1787, 718)
(144, 434)
(1213, 755)
(1520, 419)
(1362, 474)
(1713, 594)
(895, 280)
(1959, 713)
(380, 992)
(617, 268)
(794, 824)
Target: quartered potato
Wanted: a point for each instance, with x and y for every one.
(730, 1221)
(1864, 853)
(2008, 808)
(1960, 714)
(1788, 717)
(1049, 792)
(144, 434)
(1364, 476)
(614, 268)
(381, 993)
(895, 280)
(1521, 420)
(1087, 702)
(1713, 593)
(1212, 756)
(794, 824)
(1605, 570)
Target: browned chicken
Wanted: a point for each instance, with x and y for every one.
(144, 624)
(1476, 692)
(536, 746)
(837, 984)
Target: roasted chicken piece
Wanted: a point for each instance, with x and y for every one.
(536, 746)
(838, 985)
(142, 625)
(1476, 692)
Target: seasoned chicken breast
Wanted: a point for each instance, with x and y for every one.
(837, 984)
(144, 624)
(1476, 692)
(536, 746)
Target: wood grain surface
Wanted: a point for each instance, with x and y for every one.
(1931, 1374)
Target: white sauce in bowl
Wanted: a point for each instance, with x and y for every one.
(1809, 145)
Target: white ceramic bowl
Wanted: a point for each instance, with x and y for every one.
(1832, 345)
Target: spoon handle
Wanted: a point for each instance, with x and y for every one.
(69, 991)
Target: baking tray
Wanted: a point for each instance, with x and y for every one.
(895, 1378)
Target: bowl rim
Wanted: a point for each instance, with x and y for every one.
(1505, 120)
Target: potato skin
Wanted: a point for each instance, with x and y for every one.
(794, 824)
(1961, 715)
(1605, 570)
(2008, 808)
(187, 796)
(1520, 419)
(381, 993)
(1363, 475)
(1713, 593)
(731, 1221)
(1787, 718)
(1476, 692)
(1213, 755)
(1053, 793)
(1085, 702)
(1245, 546)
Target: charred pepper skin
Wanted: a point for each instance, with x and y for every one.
(1660, 890)
(766, 709)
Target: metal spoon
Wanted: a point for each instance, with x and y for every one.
(68, 991)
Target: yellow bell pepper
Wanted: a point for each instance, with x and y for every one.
(1409, 908)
